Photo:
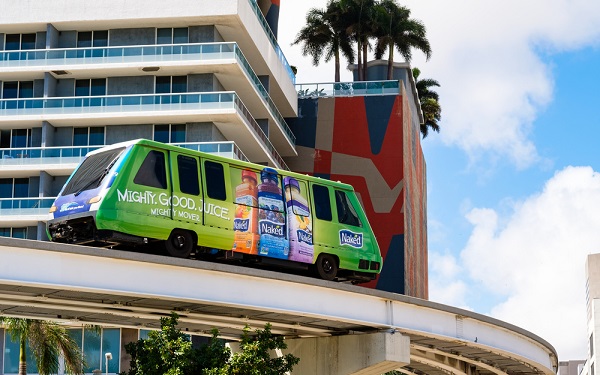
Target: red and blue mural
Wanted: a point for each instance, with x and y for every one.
(270, 9)
(373, 143)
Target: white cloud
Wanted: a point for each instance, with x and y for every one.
(536, 261)
(445, 286)
(488, 57)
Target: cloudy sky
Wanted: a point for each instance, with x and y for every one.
(513, 177)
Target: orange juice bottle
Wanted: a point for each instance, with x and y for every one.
(245, 223)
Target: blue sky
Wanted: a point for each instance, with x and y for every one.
(513, 177)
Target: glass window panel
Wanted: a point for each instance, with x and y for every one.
(163, 85)
(179, 84)
(98, 87)
(82, 87)
(91, 350)
(28, 41)
(6, 187)
(144, 334)
(178, 133)
(152, 171)
(10, 90)
(180, 35)
(5, 232)
(84, 39)
(21, 188)
(19, 233)
(188, 175)
(13, 42)
(80, 136)
(26, 89)
(215, 180)
(4, 138)
(161, 133)
(322, 202)
(96, 135)
(100, 38)
(111, 343)
(11, 356)
(164, 36)
(77, 335)
(19, 138)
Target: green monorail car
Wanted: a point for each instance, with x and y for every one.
(143, 193)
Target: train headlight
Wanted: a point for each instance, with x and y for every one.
(95, 199)
(53, 209)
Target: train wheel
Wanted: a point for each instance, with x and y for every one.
(180, 243)
(327, 267)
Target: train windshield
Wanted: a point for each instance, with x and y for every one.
(92, 171)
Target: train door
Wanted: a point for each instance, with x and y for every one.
(186, 200)
(324, 228)
(217, 206)
(353, 236)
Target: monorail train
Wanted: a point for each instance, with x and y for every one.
(142, 193)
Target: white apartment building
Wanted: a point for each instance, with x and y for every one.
(77, 75)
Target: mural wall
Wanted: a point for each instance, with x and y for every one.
(372, 143)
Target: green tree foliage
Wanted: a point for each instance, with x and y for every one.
(47, 341)
(432, 111)
(169, 352)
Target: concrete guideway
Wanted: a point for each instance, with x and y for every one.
(334, 328)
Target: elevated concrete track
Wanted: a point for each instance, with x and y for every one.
(334, 328)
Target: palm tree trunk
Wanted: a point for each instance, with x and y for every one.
(337, 66)
(390, 73)
(364, 51)
(359, 58)
(22, 356)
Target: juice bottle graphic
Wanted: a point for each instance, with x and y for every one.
(245, 223)
(299, 222)
(271, 217)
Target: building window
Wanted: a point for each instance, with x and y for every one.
(92, 136)
(90, 87)
(14, 233)
(15, 138)
(170, 133)
(15, 42)
(98, 38)
(178, 35)
(170, 84)
(95, 344)
(18, 89)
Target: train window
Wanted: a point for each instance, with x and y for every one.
(92, 171)
(346, 213)
(152, 172)
(322, 203)
(187, 167)
(215, 180)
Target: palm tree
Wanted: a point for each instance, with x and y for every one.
(47, 340)
(396, 30)
(432, 111)
(356, 20)
(323, 35)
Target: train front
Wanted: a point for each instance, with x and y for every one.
(72, 216)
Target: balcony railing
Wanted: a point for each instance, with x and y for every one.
(272, 39)
(74, 154)
(338, 89)
(149, 54)
(141, 103)
(25, 206)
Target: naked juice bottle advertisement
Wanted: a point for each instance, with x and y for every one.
(299, 222)
(245, 223)
(271, 216)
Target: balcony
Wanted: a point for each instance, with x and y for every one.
(224, 109)
(61, 161)
(128, 59)
(345, 89)
(15, 212)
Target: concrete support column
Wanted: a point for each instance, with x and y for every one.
(47, 134)
(367, 354)
(127, 335)
(51, 36)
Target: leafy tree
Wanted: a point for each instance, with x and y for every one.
(323, 37)
(396, 30)
(169, 351)
(357, 19)
(47, 341)
(432, 111)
